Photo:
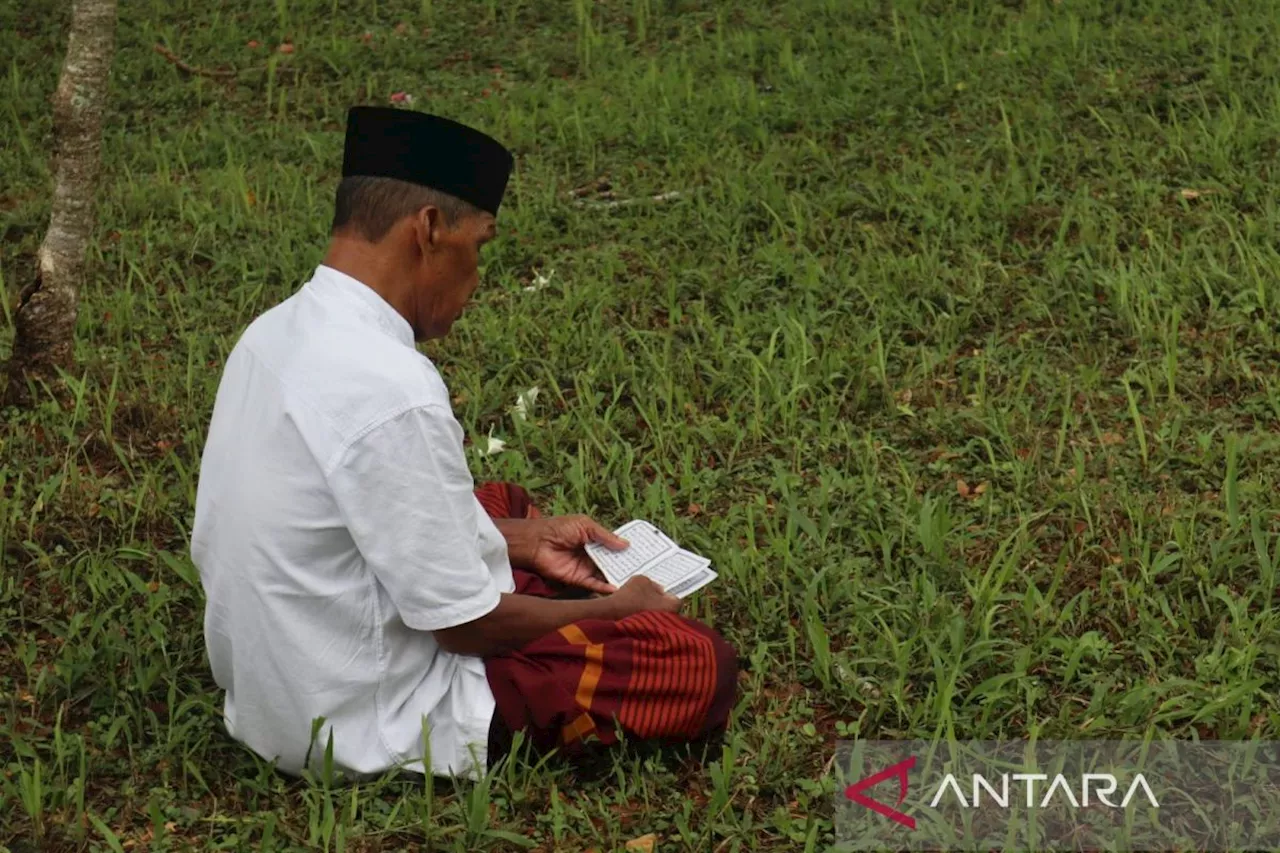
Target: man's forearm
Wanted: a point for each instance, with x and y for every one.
(521, 539)
(519, 620)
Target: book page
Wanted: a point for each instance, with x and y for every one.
(647, 544)
(681, 573)
(692, 583)
(674, 568)
(655, 555)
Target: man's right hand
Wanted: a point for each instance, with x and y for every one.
(520, 619)
(639, 594)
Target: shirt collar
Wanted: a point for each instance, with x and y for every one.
(370, 304)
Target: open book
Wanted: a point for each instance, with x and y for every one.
(652, 553)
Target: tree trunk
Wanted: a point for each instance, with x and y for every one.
(46, 316)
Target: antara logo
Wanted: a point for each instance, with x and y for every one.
(1101, 785)
(897, 771)
(1093, 787)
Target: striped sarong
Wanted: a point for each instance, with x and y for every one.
(653, 675)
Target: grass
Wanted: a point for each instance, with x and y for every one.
(957, 354)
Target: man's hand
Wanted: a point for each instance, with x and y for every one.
(521, 619)
(639, 593)
(557, 552)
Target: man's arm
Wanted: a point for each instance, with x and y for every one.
(520, 619)
(522, 539)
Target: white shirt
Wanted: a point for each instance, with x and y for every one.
(335, 528)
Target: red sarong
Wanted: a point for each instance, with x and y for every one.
(654, 675)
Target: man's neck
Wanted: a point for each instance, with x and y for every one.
(366, 264)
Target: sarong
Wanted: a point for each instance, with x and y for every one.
(653, 676)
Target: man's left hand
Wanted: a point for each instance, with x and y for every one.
(556, 550)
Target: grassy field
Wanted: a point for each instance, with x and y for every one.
(956, 352)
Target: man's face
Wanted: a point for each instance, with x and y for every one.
(449, 270)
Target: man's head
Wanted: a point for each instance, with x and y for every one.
(431, 238)
(418, 199)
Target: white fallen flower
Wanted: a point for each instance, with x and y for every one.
(540, 281)
(491, 445)
(524, 402)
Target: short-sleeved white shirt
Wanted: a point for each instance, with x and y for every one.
(335, 528)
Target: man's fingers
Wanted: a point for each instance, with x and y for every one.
(605, 537)
(597, 585)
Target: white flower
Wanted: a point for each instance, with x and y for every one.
(540, 281)
(524, 402)
(491, 445)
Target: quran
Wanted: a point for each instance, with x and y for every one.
(653, 554)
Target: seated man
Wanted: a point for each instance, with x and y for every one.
(352, 573)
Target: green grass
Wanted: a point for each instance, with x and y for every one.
(957, 355)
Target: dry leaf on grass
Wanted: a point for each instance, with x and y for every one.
(644, 844)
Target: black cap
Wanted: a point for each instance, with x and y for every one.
(435, 152)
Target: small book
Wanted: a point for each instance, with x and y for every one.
(653, 554)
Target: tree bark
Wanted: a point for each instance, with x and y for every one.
(46, 315)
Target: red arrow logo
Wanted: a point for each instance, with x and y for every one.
(899, 770)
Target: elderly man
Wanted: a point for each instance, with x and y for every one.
(360, 590)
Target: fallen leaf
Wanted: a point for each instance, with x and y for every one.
(645, 843)
(285, 48)
(1111, 438)
(402, 28)
(254, 44)
(695, 510)
(979, 489)
(1192, 195)
(963, 488)
(153, 587)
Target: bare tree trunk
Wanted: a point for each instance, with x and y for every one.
(46, 316)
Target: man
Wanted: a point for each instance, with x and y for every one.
(357, 586)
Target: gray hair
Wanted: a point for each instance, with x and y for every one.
(372, 205)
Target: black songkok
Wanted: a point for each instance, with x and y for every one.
(434, 152)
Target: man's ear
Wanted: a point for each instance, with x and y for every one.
(429, 228)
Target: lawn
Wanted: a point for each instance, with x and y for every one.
(952, 339)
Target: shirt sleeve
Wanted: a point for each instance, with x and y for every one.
(406, 495)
